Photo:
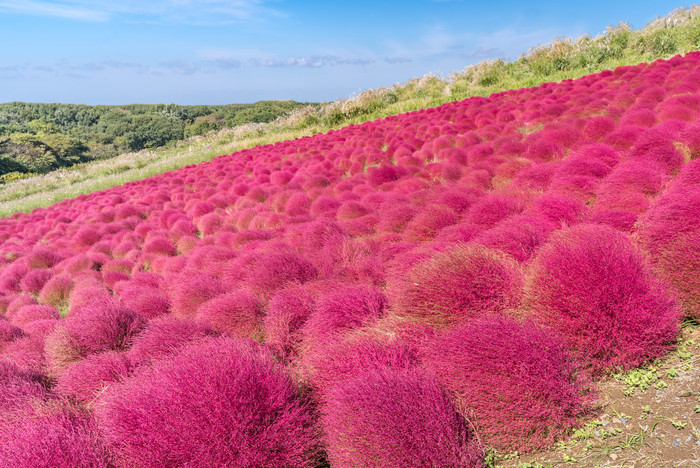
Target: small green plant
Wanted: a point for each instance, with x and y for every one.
(672, 373)
(697, 408)
(647, 409)
(639, 379)
(677, 424)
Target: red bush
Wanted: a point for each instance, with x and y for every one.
(84, 380)
(237, 313)
(592, 286)
(287, 311)
(460, 283)
(367, 417)
(52, 437)
(189, 290)
(669, 233)
(101, 325)
(217, 402)
(515, 381)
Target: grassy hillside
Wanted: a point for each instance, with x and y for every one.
(562, 58)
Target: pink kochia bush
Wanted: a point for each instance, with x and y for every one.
(217, 402)
(395, 418)
(591, 285)
(515, 381)
(670, 234)
(238, 313)
(463, 282)
(51, 436)
(101, 325)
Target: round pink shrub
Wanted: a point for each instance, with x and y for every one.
(393, 217)
(85, 379)
(342, 309)
(159, 246)
(556, 208)
(34, 280)
(30, 313)
(248, 413)
(492, 208)
(18, 388)
(366, 422)
(591, 285)
(101, 325)
(429, 221)
(460, 283)
(163, 336)
(237, 313)
(598, 127)
(516, 381)
(147, 302)
(286, 313)
(8, 333)
(669, 233)
(275, 270)
(519, 236)
(189, 290)
(56, 291)
(52, 437)
(43, 257)
(358, 354)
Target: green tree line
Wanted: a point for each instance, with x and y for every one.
(38, 138)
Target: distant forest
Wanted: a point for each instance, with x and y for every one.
(37, 138)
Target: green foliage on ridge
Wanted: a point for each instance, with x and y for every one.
(39, 138)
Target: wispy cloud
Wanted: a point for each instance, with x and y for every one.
(314, 61)
(397, 60)
(68, 10)
(176, 11)
(481, 52)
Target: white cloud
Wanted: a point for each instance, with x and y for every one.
(68, 10)
(176, 11)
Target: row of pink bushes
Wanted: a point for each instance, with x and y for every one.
(404, 292)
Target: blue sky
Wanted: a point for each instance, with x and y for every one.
(219, 52)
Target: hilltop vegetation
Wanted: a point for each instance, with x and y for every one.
(38, 138)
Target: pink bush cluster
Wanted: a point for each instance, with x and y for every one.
(550, 229)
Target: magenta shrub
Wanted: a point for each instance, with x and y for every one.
(344, 308)
(286, 313)
(515, 381)
(30, 313)
(669, 233)
(358, 354)
(101, 325)
(237, 313)
(392, 417)
(217, 402)
(189, 289)
(592, 286)
(56, 291)
(52, 436)
(34, 280)
(164, 335)
(275, 270)
(85, 379)
(460, 283)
